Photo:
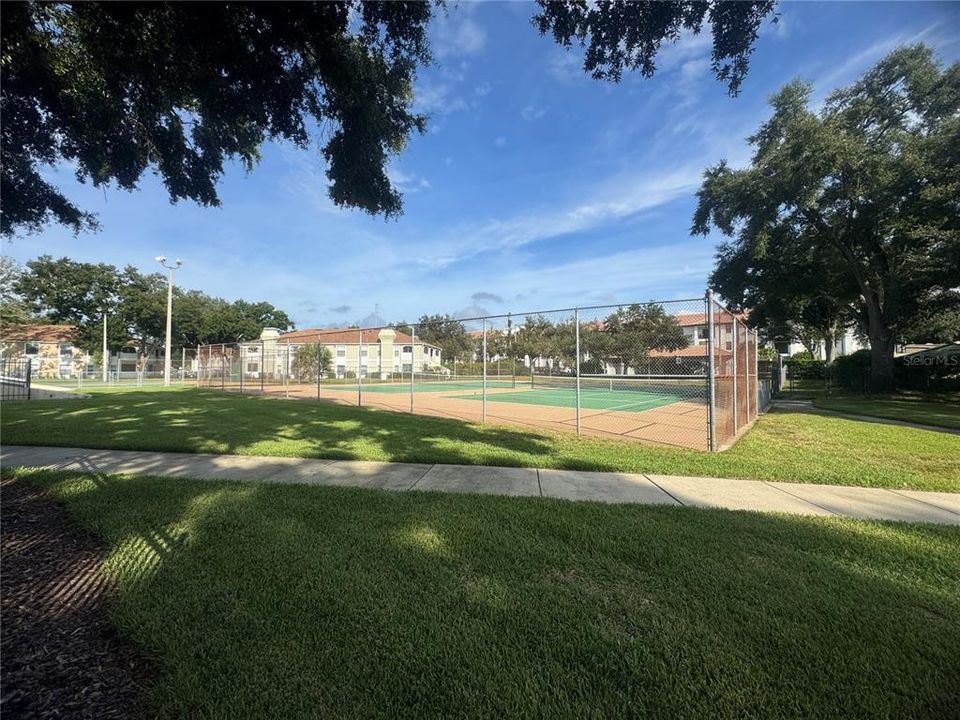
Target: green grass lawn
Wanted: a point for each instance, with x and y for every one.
(782, 446)
(257, 600)
(941, 411)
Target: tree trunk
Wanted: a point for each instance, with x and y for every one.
(882, 344)
(829, 340)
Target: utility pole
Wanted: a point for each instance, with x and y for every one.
(106, 358)
(166, 349)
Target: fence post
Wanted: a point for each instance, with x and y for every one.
(360, 369)
(319, 364)
(736, 400)
(223, 355)
(513, 355)
(711, 380)
(756, 375)
(29, 375)
(413, 354)
(240, 353)
(576, 321)
(483, 417)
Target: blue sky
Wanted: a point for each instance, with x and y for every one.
(535, 186)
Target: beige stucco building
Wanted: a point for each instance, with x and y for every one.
(377, 352)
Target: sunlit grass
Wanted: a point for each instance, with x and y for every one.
(258, 600)
(793, 447)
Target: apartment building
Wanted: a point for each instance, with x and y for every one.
(376, 352)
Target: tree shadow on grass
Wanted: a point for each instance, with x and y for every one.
(284, 601)
(206, 421)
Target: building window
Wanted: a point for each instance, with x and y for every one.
(396, 353)
(253, 367)
(66, 350)
(341, 350)
(341, 371)
(31, 348)
(407, 348)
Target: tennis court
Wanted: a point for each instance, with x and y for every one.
(679, 372)
(625, 394)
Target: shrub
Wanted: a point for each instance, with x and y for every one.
(802, 366)
(851, 371)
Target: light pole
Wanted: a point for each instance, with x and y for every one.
(106, 358)
(166, 346)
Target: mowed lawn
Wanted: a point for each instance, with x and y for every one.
(782, 446)
(917, 408)
(266, 601)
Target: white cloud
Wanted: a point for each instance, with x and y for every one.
(406, 182)
(433, 97)
(776, 25)
(483, 89)
(500, 141)
(532, 112)
(688, 46)
(565, 65)
(454, 36)
(615, 199)
(646, 273)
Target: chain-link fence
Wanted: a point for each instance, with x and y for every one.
(123, 369)
(679, 372)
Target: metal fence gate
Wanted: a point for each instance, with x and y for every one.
(15, 379)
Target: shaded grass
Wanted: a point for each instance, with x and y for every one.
(289, 601)
(782, 446)
(939, 411)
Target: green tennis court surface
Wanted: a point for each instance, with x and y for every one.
(590, 399)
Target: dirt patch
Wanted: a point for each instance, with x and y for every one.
(61, 656)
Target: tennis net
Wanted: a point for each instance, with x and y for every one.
(653, 384)
(459, 380)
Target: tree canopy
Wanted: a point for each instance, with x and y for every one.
(626, 337)
(863, 194)
(66, 291)
(622, 36)
(116, 89)
(448, 334)
(312, 359)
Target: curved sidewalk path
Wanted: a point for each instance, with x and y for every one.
(763, 496)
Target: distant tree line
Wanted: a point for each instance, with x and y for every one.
(65, 291)
(623, 339)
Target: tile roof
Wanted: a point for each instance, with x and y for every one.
(689, 351)
(698, 319)
(41, 333)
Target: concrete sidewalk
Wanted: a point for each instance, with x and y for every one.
(762, 496)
